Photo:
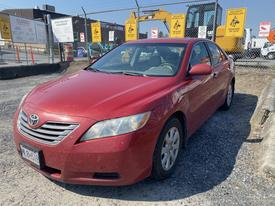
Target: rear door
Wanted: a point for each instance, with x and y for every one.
(221, 73)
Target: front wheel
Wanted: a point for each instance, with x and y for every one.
(167, 150)
(229, 97)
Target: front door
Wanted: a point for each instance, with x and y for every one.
(202, 89)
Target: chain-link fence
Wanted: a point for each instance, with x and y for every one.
(14, 54)
(259, 57)
(201, 21)
(247, 50)
(24, 41)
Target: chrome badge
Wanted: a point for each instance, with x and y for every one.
(33, 119)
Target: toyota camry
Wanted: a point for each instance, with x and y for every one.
(128, 115)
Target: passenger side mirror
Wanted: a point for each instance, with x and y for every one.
(200, 69)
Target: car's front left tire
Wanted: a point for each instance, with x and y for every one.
(167, 150)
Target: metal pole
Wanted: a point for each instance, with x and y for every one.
(86, 33)
(60, 52)
(15, 52)
(215, 21)
(50, 35)
(138, 15)
(1, 54)
(26, 52)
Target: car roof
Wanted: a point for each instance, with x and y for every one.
(167, 40)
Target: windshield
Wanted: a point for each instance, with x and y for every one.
(147, 59)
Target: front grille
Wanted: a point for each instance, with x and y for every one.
(50, 132)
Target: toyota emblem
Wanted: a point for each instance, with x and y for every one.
(33, 119)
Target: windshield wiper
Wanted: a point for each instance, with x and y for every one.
(98, 70)
(130, 73)
(134, 74)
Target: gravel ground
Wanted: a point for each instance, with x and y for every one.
(219, 166)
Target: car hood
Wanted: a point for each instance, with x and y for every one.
(97, 95)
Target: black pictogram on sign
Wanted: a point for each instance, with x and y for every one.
(177, 25)
(234, 22)
(131, 29)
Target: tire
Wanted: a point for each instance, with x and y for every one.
(229, 97)
(271, 56)
(252, 56)
(165, 148)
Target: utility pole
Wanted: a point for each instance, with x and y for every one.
(215, 21)
(138, 11)
(50, 38)
(86, 33)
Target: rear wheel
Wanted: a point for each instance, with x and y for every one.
(229, 97)
(167, 150)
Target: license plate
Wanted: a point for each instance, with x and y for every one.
(31, 154)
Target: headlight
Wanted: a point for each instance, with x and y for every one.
(118, 126)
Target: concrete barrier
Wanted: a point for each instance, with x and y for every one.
(29, 70)
(265, 104)
(264, 115)
(269, 103)
(268, 146)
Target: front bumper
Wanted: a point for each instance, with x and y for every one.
(119, 160)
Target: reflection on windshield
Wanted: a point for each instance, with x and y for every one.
(147, 59)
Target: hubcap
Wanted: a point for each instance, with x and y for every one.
(229, 95)
(170, 148)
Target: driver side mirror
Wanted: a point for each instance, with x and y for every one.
(200, 69)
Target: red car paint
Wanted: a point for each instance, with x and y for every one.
(87, 97)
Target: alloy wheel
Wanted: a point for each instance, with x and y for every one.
(170, 148)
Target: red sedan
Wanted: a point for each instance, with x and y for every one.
(127, 116)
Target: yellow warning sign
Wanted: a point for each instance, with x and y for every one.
(130, 30)
(96, 32)
(5, 27)
(235, 22)
(177, 27)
